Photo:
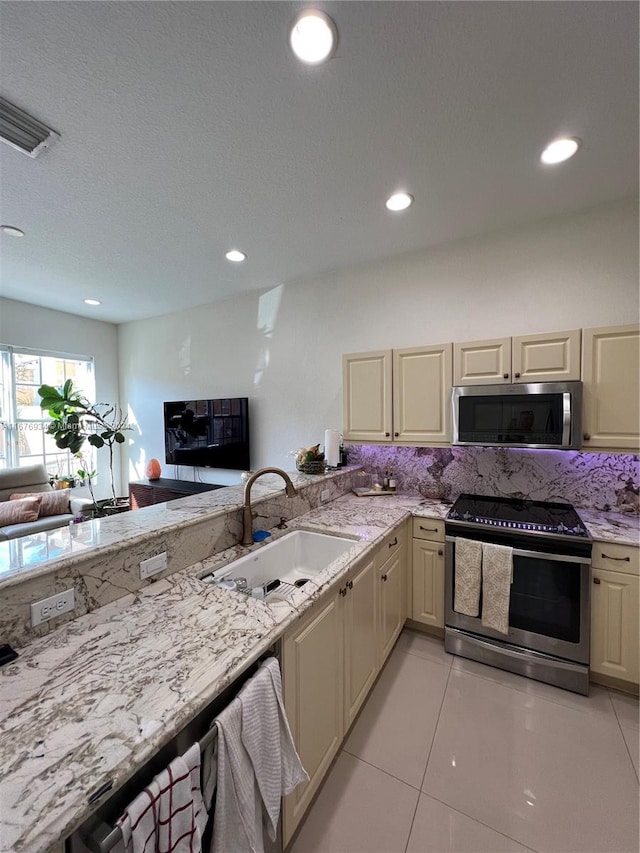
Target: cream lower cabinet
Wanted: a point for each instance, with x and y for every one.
(360, 626)
(313, 686)
(330, 660)
(615, 612)
(428, 572)
(611, 377)
(391, 574)
(398, 395)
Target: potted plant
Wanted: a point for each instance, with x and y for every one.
(75, 420)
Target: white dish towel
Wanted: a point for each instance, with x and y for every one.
(237, 819)
(257, 764)
(468, 576)
(497, 575)
(168, 816)
(267, 738)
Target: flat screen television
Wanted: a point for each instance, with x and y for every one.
(208, 433)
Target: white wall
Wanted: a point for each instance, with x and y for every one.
(23, 325)
(283, 348)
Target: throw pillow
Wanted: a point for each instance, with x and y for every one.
(51, 503)
(19, 511)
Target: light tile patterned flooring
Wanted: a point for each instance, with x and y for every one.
(451, 756)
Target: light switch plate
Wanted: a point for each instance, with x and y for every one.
(153, 565)
(55, 605)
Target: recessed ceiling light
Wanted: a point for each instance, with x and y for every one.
(560, 150)
(92, 302)
(399, 201)
(12, 231)
(313, 37)
(235, 256)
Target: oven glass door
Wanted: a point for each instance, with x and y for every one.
(518, 419)
(545, 597)
(548, 605)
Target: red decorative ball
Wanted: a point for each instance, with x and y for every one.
(153, 469)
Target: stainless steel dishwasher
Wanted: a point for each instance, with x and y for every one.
(97, 833)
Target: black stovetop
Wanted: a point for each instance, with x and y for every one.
(525, 516)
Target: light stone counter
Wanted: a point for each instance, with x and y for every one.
(612, 526)
(95, 699)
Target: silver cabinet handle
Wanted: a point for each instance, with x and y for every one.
(428, 529)
(617, 559)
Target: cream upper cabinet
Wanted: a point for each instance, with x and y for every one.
(615, 612)
(611, 376)
(366, 396)
(544, 357)
(550, 357)
(360, 653)
(482, 362)
(422, 394)
(401, 395)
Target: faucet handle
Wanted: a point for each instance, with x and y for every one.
(283, 523)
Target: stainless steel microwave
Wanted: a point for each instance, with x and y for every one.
(542, 414)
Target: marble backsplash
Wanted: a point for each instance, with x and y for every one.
(601, 481)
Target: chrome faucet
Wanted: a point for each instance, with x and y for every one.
(247, 515)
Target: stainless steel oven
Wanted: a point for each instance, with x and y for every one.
(549, 611)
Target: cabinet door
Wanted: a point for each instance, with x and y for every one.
(611, 375)
(482, 362)
(614, 624)
(428, 582)
(312, 656)
(550, 357)
(422, 394)
(366, 396)
(393, 598)
(360, 650)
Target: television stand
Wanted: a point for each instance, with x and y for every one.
(149, 492)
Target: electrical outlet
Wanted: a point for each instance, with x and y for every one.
(55, 605)
(153, 565)
(325, 495)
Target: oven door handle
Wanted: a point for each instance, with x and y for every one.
(539, 555)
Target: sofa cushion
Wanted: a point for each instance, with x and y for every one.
(20, 511)
(31, 478)
(51, 503)
(41, 525)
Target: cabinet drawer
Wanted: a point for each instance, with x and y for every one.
(616, 558)
(428, 528)
(390, 545)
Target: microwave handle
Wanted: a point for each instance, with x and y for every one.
(539, 555)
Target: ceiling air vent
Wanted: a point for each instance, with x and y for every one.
(22, 132)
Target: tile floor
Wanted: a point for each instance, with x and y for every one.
(451, 756)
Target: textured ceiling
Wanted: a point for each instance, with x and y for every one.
(189, 128)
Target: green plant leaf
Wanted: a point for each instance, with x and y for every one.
(95, 441)
(67, 388)
(119, 438)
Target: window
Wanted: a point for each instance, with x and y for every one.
(23, 424)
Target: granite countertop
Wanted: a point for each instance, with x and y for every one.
(88, 704)
(622, 528)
